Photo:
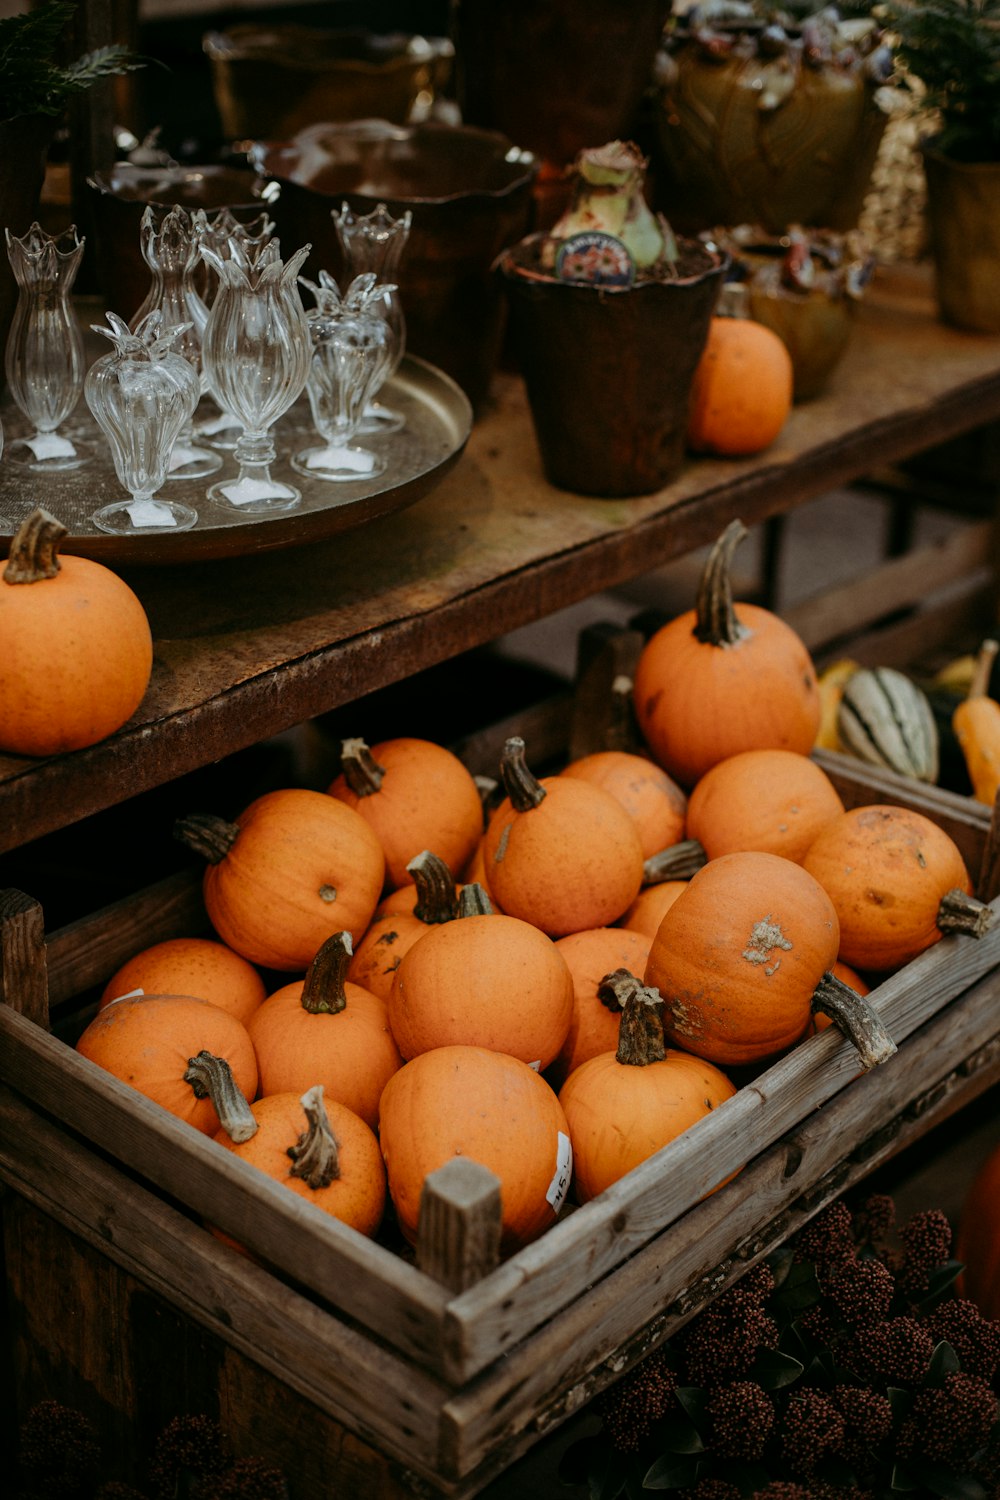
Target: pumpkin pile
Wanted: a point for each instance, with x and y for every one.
(556, 983)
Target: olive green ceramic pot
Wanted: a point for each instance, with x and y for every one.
(963, 217)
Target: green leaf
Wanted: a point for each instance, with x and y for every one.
(678, 1434)
(608, 1474)
(901, 1402)
(902, 1479)
(781, 1262)
(695, 1402)
(774, 1370)
(941, 1280)
(670, 1472)
(944, 1361)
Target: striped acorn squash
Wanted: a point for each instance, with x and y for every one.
(885, 719)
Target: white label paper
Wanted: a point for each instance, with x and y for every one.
(247, 491)
(563, 1176)
(50, 445)
(353, 459)
(150, 513)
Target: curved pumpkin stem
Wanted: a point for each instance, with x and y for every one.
(207, 835)
(437, 894)
(323, 991)
(212, 1078)
(524, 790)
(857, 1019)
(362, 771)
(474, 902)
(34, 549)
(960, 912)
(716, 623)
(315, 1155)
(677, 862)
(640, 1031)
(979, 686)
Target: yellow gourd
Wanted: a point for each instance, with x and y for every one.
(976, 722)
(831, 682)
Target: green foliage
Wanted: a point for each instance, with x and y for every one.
(32, 80)
(953, 48)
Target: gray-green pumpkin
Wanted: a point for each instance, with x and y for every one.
(886, 719)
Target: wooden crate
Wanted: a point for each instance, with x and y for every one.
(351, 1366)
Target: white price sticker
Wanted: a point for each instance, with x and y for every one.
(563, 1176)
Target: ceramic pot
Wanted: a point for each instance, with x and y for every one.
(608, 370)
(24, 144)
(963, 215)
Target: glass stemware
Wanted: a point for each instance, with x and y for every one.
(221, 429)
(141, 395)
(256, 351)
(351, 350)
(374, 242)
(44, 361)
(170, 244)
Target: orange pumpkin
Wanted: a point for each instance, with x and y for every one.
(295, 867)
(324, 1029)
(77, 649)
(560, 853)
(320, 1150)
(623, 1105)
(650, 906)
(485, 980)
(654, 802)
(149, 1041)
(492, 1108)
(888, 872)
(723, 678)
(774, 801)
(591, 956)
(433, 898)
(415, 795)
(741, 393)
(977, 1244)
(191, 966)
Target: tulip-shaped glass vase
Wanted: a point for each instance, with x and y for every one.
(171, 247)
(141, 395)
(256, 352)
(351, 349)
(44, 361)
(218, 428)
(374, 242)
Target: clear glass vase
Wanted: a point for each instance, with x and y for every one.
(351, 350)
(256, 352)
(374, 243)
(218, 428)
(44, 361)
(141, 395)
(171, 247)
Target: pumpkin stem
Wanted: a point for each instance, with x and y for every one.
(677, 862)
(437, 895)
(524, 790)
(34, 549)
(212, 1078)
(323, 991)
(362, 771)
(490, 795)
(857, 1019)
(960, 912)
(315, 1155)
(207, 835)
(716, 623)
(640, 1032)
(979, 687)
(474, 902)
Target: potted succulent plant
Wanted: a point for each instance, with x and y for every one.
(953, 48)
(609, 314)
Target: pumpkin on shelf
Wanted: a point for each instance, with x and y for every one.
(884, 718)
(647, 793)
(773, 801)
(325, 1029)
(741, 395)
(489, 1107)
(485, 980)
(976, 722)
(432, 898)
(202, 967)
(320, 1150)
(590, 957)
(560, 853)
(898, 883)
(722, 678)
(78, 652)
(415, 795)
(624, 1105)
(742, 957)
(149, 1041)
(294, 868)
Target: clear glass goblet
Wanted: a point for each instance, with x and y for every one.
(221, 429)
(141, 395)
(351, 350)
(44, 361)
(256, 352)
(374, 242)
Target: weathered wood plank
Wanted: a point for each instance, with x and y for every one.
(22, 957)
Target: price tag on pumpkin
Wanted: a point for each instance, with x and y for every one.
(563, 1175)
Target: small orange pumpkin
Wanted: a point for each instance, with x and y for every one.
(433, 898)
(324, 1029)
(655, 802)
(723, 678)
(415, 795)
(295, 867)
(741, 394)
(590, 957)
(77, 649)
(774, 801)
(492, 1108)
(195, 966)
(650, 907)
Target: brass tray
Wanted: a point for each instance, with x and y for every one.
(438, 423)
